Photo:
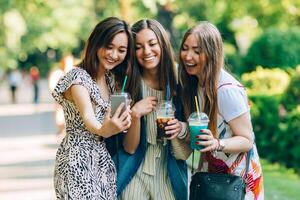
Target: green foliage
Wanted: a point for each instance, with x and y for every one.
(265, 81)
(63, 25)
(34, 27)
(290, 139)
(291, 98)
(265, 119)
(274, 48)
(275, 111)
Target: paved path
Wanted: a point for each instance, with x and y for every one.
(27, 150)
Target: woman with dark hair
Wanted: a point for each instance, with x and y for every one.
(229, 135)
(83, 167)
(151, 168)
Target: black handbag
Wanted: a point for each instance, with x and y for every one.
(213, 186)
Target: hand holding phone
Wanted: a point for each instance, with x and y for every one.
(117, 99)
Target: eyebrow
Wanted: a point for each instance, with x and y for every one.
(194, 47)
(151, 40)
(119, 47)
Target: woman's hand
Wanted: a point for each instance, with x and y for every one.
(209, 142)
(144, 106)
(139, 109)
(172, 129)
(117, 123)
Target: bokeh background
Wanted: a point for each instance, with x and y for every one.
(262, 46)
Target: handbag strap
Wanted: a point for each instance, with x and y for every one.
(193, 154)
(247, 164)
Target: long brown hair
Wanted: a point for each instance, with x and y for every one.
(101, 36)
(166, 66)
(210, 43)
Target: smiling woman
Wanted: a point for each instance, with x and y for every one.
(229, 137)
(147, 49)
(83, 166)
(114, 53)
(192, 56)
(150, 169)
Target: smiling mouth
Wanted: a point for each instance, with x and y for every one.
(110, 61)
(189, 65)
(149, 59)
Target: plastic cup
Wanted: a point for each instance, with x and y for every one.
(118, 98)
(128, 98)
(197, 121)
(164, 113)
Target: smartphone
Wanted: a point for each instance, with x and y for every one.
(116, 100)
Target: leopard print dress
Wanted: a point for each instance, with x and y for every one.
(83, 166)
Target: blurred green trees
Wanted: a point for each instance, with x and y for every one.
(291, 98)
(276, 113)
(38, 32)
(275, 48)
(264, 81)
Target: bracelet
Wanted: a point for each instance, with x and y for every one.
(183, 132)
(217, 147)
(221, 145)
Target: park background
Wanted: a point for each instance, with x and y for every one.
(262, 46)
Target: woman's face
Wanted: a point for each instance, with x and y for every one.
(193, 59)
(114, 53)
(147, 49)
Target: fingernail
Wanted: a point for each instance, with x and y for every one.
(201, 131)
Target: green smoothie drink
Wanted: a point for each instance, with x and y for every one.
(197, 122)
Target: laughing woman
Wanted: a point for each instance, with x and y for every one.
(230, 135)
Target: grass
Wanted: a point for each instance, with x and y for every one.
(280, 183)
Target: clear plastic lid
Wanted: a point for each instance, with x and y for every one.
(165, 108)
(196, 117)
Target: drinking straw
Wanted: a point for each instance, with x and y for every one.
(197, 105)
(167, 97)
(124, 83)
(198, 113)
(168, 92)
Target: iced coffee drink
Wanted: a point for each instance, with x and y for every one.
(165, 113)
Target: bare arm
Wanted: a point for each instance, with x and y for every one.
(80, 96)
(132, 137)
(242, 140)
(111, 125)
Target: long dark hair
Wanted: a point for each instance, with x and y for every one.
(210, 43)
(166, 66)
(101, 36)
